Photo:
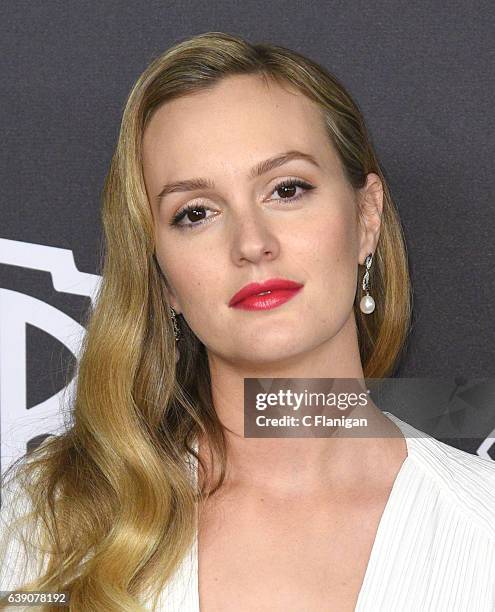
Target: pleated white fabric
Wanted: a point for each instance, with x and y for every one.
(434, 550)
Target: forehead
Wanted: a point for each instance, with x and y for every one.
(241, 118)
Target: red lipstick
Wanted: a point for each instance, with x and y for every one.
(274, 292)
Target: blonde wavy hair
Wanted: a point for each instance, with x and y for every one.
(114, 508)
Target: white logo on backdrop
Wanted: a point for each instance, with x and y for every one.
(18, 425)
(486, 446)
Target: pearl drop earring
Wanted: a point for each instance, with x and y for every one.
(367, 303)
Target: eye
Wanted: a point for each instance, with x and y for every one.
(288, 186)
(196, 212)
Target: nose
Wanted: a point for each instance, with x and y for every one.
(253, 239)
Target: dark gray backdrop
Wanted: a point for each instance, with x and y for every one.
(421, 72)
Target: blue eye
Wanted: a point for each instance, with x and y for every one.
(195, 212)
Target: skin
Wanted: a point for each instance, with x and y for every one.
(253, 235)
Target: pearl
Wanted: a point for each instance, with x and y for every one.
(367, 304)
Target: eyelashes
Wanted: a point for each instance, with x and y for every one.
(198, 209)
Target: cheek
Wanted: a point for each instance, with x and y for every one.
(195, 281)
(328, 262)
(203, 290)
(325, 245)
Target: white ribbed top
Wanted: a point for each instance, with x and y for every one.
(434, 549)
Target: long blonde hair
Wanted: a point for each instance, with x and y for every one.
(112, 496)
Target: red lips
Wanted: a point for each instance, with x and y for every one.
(272, 284)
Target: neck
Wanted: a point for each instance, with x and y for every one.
(291, 466)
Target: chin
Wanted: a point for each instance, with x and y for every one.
(268, 351)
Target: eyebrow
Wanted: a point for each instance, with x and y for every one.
(258, 170)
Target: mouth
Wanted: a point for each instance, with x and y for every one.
(266, 295)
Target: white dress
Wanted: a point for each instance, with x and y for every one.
(434, 549)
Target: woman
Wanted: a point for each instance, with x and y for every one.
(240, 164)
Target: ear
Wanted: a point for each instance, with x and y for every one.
(169, 291)
(370, 209)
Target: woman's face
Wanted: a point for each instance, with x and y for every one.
(247, 228)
